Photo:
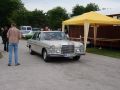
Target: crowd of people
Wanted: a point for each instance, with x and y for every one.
(4, 37)
(10, 38)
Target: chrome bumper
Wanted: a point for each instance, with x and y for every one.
(65, 55)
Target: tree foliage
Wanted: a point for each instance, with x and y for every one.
(7, 7)
(91, 7)
(56, 16)
(34, 18)
(78, 10)
(38, 18)
(14, 11)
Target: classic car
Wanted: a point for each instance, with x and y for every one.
(54, 44)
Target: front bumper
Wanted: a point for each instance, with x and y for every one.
(65, 55)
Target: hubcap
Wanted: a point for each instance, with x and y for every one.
(30, 50)
(44, 55)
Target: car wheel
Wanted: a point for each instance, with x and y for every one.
(31, 51)
(45, 56)
(76, 58)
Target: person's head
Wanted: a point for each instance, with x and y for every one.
(42, 29)
(13, 25)
(46, 28)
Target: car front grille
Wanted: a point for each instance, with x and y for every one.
(66, 49)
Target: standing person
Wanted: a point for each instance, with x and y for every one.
(14, 37)
(2, 29)
(5, 39)
(46, 29)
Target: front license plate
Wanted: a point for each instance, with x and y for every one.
(68, 55)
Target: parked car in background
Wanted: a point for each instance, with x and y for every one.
(28, 35)
(36, 29)
(54, 44)
(25, 30)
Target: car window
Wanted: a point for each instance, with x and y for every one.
(28, 28)
(23, 28)
(35, 36)
(38, 36)
(54, 36)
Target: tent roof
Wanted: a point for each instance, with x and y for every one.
(92, 18)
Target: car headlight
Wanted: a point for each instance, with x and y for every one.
(79, 49)
(52, 47)
(54, 50)
(58, 50)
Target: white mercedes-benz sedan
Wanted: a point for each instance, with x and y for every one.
(54, 44)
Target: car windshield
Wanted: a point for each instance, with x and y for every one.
(23, 28)
(54, 36)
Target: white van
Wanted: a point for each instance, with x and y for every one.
(25, 30)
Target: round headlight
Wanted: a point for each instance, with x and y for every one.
(52, 47)
(77, 50)
(57, 51)
(82, 48)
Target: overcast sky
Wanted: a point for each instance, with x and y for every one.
(46, 5)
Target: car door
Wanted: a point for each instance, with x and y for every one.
(33, 42)
(38, 43)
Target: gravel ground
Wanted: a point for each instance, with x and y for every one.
(91, 72)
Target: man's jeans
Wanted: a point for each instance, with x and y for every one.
(15, 47)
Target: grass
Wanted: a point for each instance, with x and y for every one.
(106, 52)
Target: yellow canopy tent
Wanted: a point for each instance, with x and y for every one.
(90, 18)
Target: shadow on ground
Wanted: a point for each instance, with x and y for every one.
(58, 59)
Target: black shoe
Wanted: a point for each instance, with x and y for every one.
(9, 64)
(17, 64)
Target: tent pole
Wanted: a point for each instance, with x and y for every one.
(68, 27)
(63, 28)
(86, 30)
(95, 35)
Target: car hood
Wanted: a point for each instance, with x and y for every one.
(59, 43)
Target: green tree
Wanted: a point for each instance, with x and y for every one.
(78, 10)
(38, 18)
(34, 18)
(56, 16)
(7, 7)
(91, 7)
(20, 16)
